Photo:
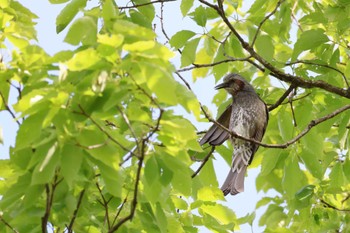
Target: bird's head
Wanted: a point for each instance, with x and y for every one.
(234, 83)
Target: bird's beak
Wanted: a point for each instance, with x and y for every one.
(221, 85)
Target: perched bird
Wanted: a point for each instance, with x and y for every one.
(247, 116)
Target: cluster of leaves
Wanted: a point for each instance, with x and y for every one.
(306, 44)
(99, 144)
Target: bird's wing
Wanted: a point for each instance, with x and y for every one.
(260, 127)
(215, 135)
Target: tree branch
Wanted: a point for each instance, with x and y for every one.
(134, 200)
(283, 97)
(7, 224)
(126, 119)
(212, 64)
(144, 4)
(49, 202)
(144, 142)
(8, 108)
(103, 130)
(333, 207)
(205, 160)
(75, 213)
(104, 203)
(322, 65)
(264, 20)
(281, 75)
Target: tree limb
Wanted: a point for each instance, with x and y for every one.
(49, 202)
(205, 160)
(279, 74)
(264, 20)
(82, 112)
(312, 124)
(141, 157)
(75, 213)
(322, 65)
(8, 108)
(283, 97)
(144, 4)
(7, 224)
(333, 207)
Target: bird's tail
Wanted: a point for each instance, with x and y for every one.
(234, 182)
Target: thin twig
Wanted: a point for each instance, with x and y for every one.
(274, 71)
(295, 18)
(49, 202)
(212, 64)
(162, 21)
(8, 108)
(141, 157)
(75, 213)
(264, 20)
(7, 224)
(282, 98)
(312, 124)
(333, 207)
(128, 157)
(290, 100)
(321, 65)
(82, 111)
(205, 160)
(136, 187)
(144, 4)
(120, 209)
(126, 119)
(104, 203)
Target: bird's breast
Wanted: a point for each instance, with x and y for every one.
(241, 121)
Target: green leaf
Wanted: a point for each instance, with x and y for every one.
(180, 38)
(4, 3)
(308, 40)
(269, 161)
(109, 10)
(111, 40)
(83, 30)
(312, 153)
(189, 52)
(152, 171)
(185, 6)
(285, 124)
(210, 194)
(181, 181)
(71, 160)
(305, 193)
(161, 218)
(16, 191)
(45, 170)
(112, 178)
(68, 13)
(337, 178)
(83, 60)
(222, 214)
(293, 178)
(273, 216)
(265, 47)
(148, 10)
(200, 16)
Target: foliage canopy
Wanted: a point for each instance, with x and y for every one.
(100, 148)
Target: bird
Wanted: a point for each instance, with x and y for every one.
(246, 116)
